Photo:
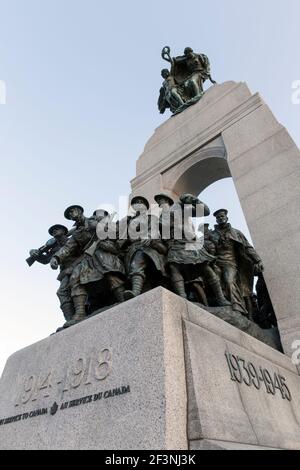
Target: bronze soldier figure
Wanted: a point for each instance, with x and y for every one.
(237, 261)
(187, 257)
(60, 234)
(99, 262)
(145, 249)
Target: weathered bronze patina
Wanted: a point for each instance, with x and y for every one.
(237, 262)
(183, 84)
(215, 268)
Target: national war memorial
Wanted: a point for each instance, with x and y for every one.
(174, 337)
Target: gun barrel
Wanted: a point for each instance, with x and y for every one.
(30, 261)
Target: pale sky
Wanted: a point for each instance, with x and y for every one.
(82, 80)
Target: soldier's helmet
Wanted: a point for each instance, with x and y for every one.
(161, 196)
(189, 199)
(57, 227)
(98, 212)
(68, 210)
(135, 199)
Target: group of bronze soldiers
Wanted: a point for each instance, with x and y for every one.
(103, 263)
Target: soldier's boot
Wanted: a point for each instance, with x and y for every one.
(179, 288)
(118, 294)
(79, 304)
(220, 299)
(68, 310)
(137, 283)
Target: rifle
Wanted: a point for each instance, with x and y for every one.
(49, 245)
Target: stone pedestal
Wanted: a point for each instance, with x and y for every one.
(152, 373)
